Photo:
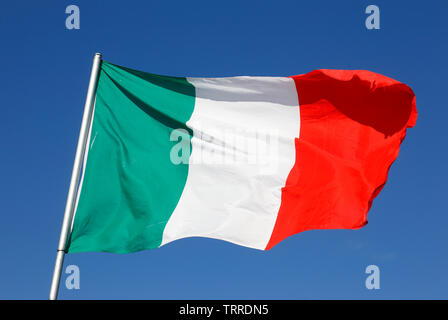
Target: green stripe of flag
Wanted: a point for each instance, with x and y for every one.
(130, 187)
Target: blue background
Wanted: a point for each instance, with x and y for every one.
(44, 76)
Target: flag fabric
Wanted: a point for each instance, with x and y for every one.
(249, 160)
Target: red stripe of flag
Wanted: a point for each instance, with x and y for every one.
(352, 125)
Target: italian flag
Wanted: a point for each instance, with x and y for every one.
(249, 160)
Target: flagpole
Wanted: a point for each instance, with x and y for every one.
(72, 191)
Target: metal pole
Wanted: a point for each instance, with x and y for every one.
(72, 191)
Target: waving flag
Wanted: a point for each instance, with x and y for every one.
(250, 160)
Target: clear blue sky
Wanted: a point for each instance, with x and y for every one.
(44, 76)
